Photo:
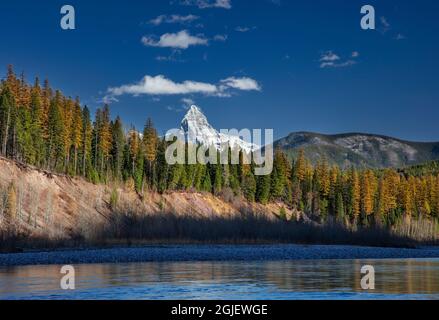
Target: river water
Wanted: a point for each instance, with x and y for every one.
(298, 279)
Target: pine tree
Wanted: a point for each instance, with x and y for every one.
(406, 196)
(340, 208)
(67, 106)
(162, 167)
(199, 176)
(45, 103)
(234, 180)
(117, 151)
(263, 189)
(37, 124)
(368, 190)
(218, 179)
(175, 176)
(138, 173)
(150, 141)
(55, 145)
(207, 181)
(25, 147)
(280, 182)
(334, 189)
(324, 178)
(76, 134)
(86, 148)
(7, 110)
(13, 84)
(24, 95)
(249, 187)
(300, 169)
(354, 194)
(104, 140)
(134, 147)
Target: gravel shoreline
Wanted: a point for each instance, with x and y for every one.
(174, 253)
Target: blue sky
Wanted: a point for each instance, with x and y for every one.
(247, 64)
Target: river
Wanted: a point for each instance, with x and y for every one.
(254, 280)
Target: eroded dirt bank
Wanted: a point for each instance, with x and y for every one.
(43, 204)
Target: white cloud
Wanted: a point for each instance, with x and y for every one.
(385, 24)
(160, 85)
(108, 99)
(175, 18)
(329, 57)
(332, 60)
(220, 37)
(347, 63)
(178, 109)
(400, 36)
(244, 29)
(188, 101)
(164, 58)
(175, 56)
(245, 84)
(206, 4)
(180, 40)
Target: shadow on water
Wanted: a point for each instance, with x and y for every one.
(319, 279)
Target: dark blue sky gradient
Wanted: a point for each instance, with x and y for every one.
(393, 88)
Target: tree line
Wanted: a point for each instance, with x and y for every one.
(40, 126)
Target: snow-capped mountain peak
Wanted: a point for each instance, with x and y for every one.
(195, 114)
(198, 130)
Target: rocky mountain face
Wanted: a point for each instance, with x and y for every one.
(198, 130)
(359, 150)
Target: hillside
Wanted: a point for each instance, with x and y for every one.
(359, 150)
(41, 209)
(425, 169)
(57, 206)
(99, 179)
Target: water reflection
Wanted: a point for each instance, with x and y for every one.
(334, 279)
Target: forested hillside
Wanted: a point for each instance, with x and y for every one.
(40, 126)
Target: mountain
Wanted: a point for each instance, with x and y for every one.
(345, 150)
(359, 149)
(198, 130)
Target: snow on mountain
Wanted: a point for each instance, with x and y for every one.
(198, 130)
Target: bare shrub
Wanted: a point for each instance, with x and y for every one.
(3, 201)
(420, 229)
(11, 203)
(227, 195)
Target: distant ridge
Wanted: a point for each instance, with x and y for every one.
(359, 149)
